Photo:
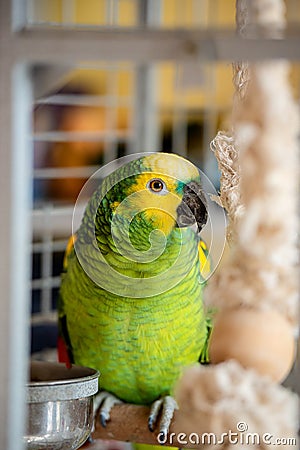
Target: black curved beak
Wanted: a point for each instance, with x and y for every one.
(193, 207)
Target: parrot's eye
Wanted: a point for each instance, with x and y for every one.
(156, 185)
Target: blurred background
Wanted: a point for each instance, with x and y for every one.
(89, 115)
(71, 102)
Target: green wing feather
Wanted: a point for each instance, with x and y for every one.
(65, 353)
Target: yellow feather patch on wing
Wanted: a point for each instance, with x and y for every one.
(205, 266)
(69, 248)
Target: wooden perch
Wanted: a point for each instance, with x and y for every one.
(130, 423)
(215, 400)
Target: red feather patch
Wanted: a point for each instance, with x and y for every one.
(62, 351)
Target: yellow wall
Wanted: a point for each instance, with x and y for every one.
(207, 12)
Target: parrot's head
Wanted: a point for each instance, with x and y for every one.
(144, 218)
(160, 190)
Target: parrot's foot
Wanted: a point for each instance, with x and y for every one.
(103, 403)
(167, 406)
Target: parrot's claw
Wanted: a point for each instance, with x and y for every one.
(103, 403)
(167, 405)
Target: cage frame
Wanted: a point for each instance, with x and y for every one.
(22, 47)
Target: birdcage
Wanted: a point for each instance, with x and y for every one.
(84, 83)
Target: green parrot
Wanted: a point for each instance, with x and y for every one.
(131, 293)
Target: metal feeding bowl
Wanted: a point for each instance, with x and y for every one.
(60, 405)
